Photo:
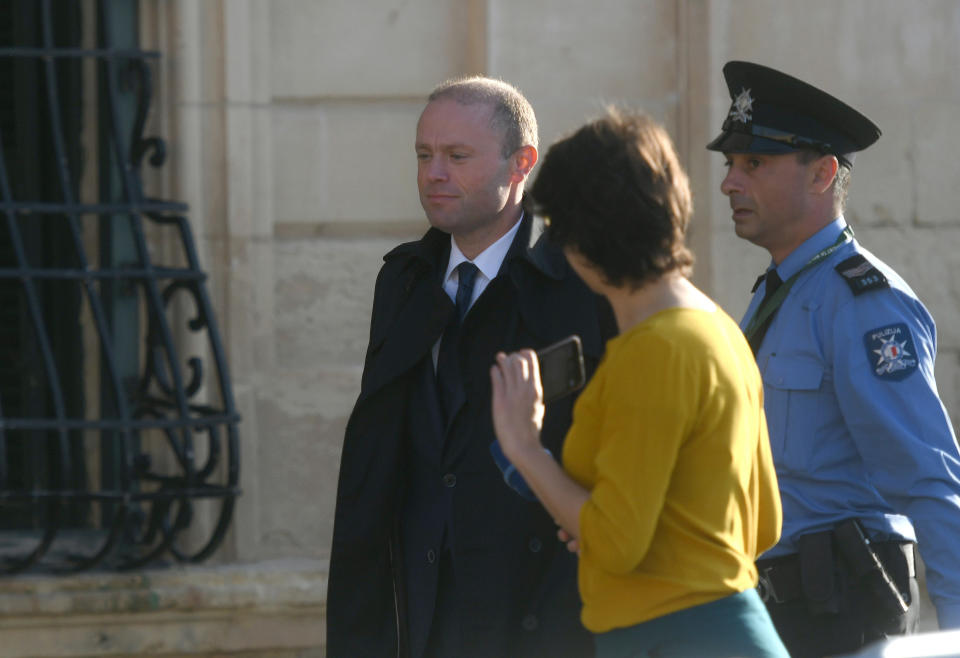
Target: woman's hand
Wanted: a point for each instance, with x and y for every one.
(517, 420)
(517, 403)
(573, 545)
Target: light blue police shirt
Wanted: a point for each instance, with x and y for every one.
(856, 426)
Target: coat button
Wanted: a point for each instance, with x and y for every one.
(530, 623)
(431, 556)
(535, 545)
(449, 480)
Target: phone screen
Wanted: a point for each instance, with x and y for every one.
(561, 368)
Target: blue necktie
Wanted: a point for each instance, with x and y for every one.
(467, 275)
(449, 382)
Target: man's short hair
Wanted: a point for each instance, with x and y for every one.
(512, 114)
(841, 182)
(615, 192)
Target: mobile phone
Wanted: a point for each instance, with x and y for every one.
(561, 368)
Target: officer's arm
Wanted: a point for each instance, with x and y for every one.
(885, 344)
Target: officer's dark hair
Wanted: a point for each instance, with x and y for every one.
(512, 114)
(841, 182)
(615, 192)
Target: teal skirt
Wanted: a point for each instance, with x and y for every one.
(736, 625)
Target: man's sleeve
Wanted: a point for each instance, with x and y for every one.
(884, 351)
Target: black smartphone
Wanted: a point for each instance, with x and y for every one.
(561, 368)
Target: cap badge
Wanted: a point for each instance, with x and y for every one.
(742, 109)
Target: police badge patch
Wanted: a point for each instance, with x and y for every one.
(890, 351)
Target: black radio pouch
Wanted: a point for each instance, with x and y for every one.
(818, 579)
(867, 569)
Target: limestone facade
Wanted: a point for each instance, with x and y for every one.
(290, 125)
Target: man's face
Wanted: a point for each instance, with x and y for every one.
(464, 180)
(768, 196)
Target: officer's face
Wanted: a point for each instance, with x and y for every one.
(768, 196)
(464, 181)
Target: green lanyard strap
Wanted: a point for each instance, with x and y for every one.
(770, 306)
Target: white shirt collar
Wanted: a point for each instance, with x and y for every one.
(487, 261)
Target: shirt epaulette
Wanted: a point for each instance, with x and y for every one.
(861, 275)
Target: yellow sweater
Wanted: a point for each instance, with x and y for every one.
(671, 440)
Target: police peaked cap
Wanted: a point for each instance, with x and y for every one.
(773, 112)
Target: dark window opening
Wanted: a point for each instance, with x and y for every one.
(118, 430)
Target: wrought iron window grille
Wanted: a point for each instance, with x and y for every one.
(117, 449)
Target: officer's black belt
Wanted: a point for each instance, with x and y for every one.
(780, 576)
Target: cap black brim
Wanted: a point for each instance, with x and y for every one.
(731, 142)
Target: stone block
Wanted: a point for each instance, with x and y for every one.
(323, 295)
(194, 52)
(582, 56)
(238, 279)
(243, 541)
(301, 160)
(345, 162)
(240, 169)
(342, 48)
(261, 293)
(301, 420)
(901, 180)
(195, 161)
(884, 183)
(214, 178)
(873, 48)
(247, 51)
(185, 141)
(937, 142)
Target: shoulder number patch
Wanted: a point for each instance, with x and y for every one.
(890, 351)
(861, 275)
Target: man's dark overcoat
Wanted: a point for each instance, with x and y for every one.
(516, 583)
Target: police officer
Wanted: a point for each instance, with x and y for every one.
(866, 457)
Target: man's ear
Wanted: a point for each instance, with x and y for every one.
(822, 172)
(523, 160)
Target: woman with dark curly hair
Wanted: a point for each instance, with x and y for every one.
(667, 488)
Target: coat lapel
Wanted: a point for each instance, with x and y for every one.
(418, 315)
